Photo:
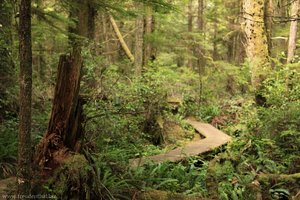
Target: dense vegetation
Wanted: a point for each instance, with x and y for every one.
(198, 66)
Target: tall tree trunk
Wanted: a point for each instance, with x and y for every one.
(6, 63)
(139, 45)
(268, 19)
(92, 14)
(239, 53)
(215, 45)
(190, 16)
(293, 31)
(79, 13)
(190, 30)
(256, 39)
(106, 43)
(200, 21)
(40, 57)
(200, 49)
(149, 28)
(200, 26)
(283, 8)
(24, 147)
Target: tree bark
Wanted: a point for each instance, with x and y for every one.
(105, 30)
(121, 39)
(79, 14)
(293, 31)
(64, 129)
(92, 14)
(200, 21)
(283, 8)
(139, 45)
(256, 40)
(200, 24)
(215, 45)
(268, 18)
(40, 57)
(24, 147)
(149, 28)
(190, 30)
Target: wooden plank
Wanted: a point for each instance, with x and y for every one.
(214, 138)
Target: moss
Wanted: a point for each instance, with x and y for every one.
(72, 179)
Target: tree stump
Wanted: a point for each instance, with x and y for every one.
(64, 132)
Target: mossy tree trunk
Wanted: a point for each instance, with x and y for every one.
(235, 38)
(190, 18)
(149, 28)
(24, 146)
(268, 19)
(139, 44)
(256, 40)
(200, 26)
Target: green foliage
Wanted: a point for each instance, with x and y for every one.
(8, 147)
(129, 108)
(266, 139)
(180, 178)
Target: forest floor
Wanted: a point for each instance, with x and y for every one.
(214, 138)
(5, 186)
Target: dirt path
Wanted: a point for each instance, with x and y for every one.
(213, 138)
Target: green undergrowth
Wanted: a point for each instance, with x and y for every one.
(127, 118)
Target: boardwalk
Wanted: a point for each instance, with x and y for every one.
(214, 138)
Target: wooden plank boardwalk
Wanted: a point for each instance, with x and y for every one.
(214, 138)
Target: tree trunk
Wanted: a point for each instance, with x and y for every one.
(200, 24)
(283, 8)
(256, 40)
(149, 28)
(92, 14)
(190, 30)
(139, 41)
(199, 48)
(235, 38)
(268, 18)
(200, 21)
(106, 43)
(24, 147)
(239, 53)
(215, 45)
(293, 31)
(40, 57)
(79, 14)
(121, 39)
